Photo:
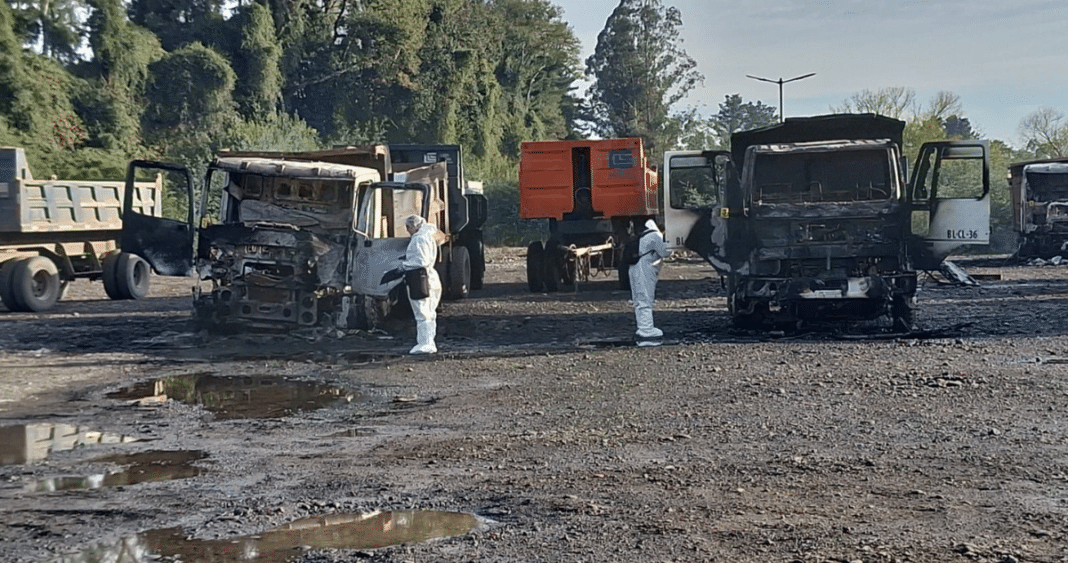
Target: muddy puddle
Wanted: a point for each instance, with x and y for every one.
(285, 543)
(141, 467)
(240, 397)
(27, 443)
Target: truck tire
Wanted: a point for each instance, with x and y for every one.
(552, 261)
(535, 255)
(35, 284)
(459, 272)
(111, 285)
(132, 276)
(7, 288)
(477, 250)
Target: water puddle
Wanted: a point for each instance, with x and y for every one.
(27, 443)
(142, 467)
(241, 397)
(285, 543)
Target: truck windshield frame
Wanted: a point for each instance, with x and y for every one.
(791, 175)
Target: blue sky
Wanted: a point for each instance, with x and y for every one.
(1003, 58)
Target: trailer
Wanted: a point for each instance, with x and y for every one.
(53, 232)
(595, 195)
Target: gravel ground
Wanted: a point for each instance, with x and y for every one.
(538, 417)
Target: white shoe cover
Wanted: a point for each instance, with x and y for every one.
(424, 349)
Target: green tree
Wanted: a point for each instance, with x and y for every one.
(538, 65)
(256, 61)
(178, 22)
(111, 103)
(639, 72)
(1045, 133)
(699, 132)
(52, 27)
(893, 101)
(191, 112)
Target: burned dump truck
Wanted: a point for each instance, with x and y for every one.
(815, 220)
(296, 240)
(1039, 190)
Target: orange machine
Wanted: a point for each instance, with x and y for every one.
(587, 179)
(595, 194)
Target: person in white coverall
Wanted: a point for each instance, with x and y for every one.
(423, 253)
(652, 249)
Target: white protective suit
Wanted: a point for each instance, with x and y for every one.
(652, 249)
(422, 252)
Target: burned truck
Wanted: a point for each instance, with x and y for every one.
(1039, 190)
(297, 240)
(815, 220)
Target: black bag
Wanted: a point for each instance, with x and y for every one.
(418, 283)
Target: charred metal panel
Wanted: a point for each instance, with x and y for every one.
(270, 275)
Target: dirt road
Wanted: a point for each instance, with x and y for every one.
(552, 438)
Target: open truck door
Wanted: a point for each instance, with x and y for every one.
(380, 237)
(950, 195)
(165, 242)
(696, 206)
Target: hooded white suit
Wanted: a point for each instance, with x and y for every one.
(422, 252)
(643, 277)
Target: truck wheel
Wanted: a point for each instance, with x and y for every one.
(551, 264)
(477, 250)
(535, 257)
(132, 276)
(7, 287)
(35, 283)
(459, 272)
(111, 285)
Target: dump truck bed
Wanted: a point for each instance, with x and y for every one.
(610, 178)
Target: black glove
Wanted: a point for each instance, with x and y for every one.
(394, 274)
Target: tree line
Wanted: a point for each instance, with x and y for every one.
(86, 85)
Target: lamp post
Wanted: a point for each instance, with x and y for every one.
(780, 82)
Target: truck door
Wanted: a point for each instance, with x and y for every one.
(160, 231)
(696, 206)
(950, 193)
(380, 238)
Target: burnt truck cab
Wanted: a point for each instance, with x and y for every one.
(815, 220)
(292, 242)
(1039, 190)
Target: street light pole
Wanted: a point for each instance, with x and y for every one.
(780, 82)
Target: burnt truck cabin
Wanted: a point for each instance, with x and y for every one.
(827, 223)
(280, 253)
(814, 220)
(1039, 193)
